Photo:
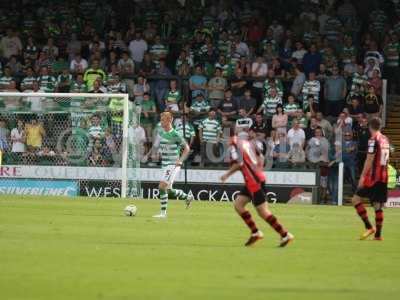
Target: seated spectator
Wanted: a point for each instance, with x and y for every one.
(18, 138)
(296, 134)
(147, 67)
(373, 103)
(12, 102)
(64, 81)
(280, 119)
(28, 80)
(4, 136)
(78, 64)
(35, 134)
(95, 130)
(140, 88)
(248, 103)
(79, 85)
(15, 66)
(296, 156)
(243, 123)
(260, 127)
(126, 65)
(273, 83)
(47, 82)
(216, 88)
(299, 52)
(325, 125)
(50, 48)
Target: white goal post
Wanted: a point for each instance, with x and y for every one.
(115, 110)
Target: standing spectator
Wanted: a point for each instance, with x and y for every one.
(373, 103)
(159, 51)
(148, 114)
(298, 81)
(93, 73)
(35, 102)
(281, 151)
(312, 60)
(299, 52)
(363, 136)
(280, 119)
(259, 70)
(297, 156)
(138, 47)
(248, 103)
(311, 87)
(349, 157)
(11, 44)
(216, 88)
(270, 103)
(210, 132)
(291, 108)
(4, 136)
(140, 88)
(392, 57)
(355, 107)
(35, 134)
(173, 97)
(228, 110)
(376, 82)
(18, 138)
(296, 134)
(238, 83)
(198, 82)
(335, 93)
(199, 109)
(161, 85)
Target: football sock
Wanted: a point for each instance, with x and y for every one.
(379, 222)
(178, 194)
(362, 212)
(164, 201)
(271, 220)
(248, 219)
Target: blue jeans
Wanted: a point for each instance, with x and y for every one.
(160, 95)
(350, 175)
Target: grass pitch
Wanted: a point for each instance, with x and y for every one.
(57, 248)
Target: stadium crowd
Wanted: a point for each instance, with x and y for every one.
(301, 77)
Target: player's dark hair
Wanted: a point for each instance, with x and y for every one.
(375, 124)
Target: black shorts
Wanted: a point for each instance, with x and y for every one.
(375, 193)
(256, 198)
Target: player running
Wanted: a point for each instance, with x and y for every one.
(245, 156)
(170, 144)
(373, 180)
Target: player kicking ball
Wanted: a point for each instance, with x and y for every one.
(373, 180)
(171, 144)
(246, 157)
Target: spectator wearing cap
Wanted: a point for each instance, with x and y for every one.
(335, 93)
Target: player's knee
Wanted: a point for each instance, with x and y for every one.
(163, 186)
(355, 200)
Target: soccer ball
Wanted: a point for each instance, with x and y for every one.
(130, 210)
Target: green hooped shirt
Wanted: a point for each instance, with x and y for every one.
(171, 144)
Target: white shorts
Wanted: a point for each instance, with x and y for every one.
(169, 174)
